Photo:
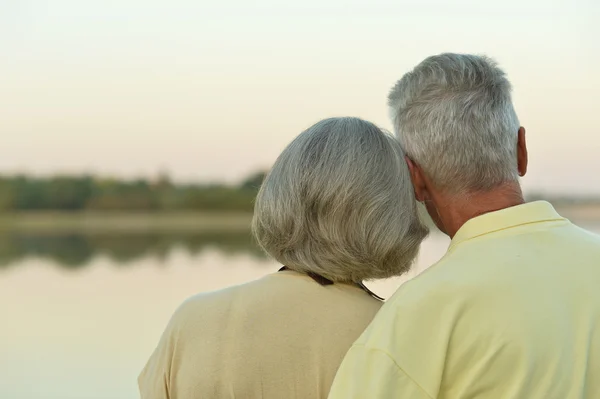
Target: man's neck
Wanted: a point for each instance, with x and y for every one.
(455, 211)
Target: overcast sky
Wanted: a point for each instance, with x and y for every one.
(215, 90)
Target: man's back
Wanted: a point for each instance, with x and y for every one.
(512, 311)
(282, 336)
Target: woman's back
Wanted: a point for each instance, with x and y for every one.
(282, 336)
(337, 205)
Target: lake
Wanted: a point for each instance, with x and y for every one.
(82, 312)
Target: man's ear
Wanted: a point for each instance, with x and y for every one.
(416, 175)
(522, 156)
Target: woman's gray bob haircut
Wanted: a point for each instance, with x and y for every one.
(339, 202)
(454, 116)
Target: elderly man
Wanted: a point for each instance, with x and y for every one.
(513, 309)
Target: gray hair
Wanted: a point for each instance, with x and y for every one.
(339, 202)
(454, 116)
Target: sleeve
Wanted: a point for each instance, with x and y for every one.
(371, 373)
(154, 379)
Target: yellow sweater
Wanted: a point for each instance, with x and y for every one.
(512, 311)
(280, 337)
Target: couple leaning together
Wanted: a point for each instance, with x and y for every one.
(511, 311)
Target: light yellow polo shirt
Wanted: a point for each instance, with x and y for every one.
(511, 311)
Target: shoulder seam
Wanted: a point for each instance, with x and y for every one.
(389, 356)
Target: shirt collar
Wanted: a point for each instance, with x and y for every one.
(533, 212)
(325, 281)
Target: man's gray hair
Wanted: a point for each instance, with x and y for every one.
(454, 116)
(339, 202)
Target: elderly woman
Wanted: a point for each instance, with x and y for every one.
(337, 208)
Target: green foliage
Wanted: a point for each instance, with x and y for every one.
(77, 193)
(254, 181)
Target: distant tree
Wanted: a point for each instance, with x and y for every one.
(68, 193)
(7, 194)
(163, 181)
(127, 196)
(29, 193)
(254, 181)
(219, 198)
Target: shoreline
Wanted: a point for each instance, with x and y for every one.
(94, 222)
(132, 222)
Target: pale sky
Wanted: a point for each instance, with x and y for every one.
(213, 91)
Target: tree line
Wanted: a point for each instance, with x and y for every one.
(80, 193)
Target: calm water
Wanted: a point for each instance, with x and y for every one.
(81, 314)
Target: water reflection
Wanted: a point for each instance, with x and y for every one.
(88, 334)
(76, 250)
